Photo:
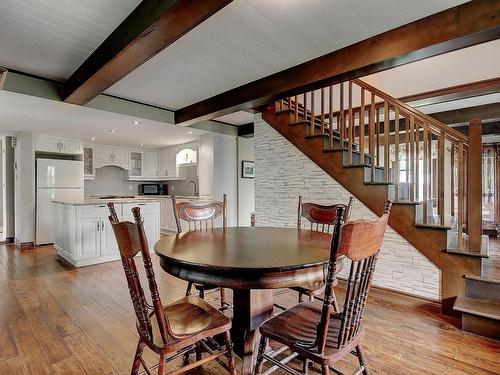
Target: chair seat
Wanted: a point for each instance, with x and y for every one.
(314, 288)
(299, 324)
(191, 315)
(204, 286)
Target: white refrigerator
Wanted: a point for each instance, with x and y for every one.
(55, 180)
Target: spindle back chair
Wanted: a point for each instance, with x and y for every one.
(201, 216)
(313, 330)
(322, 219)
(178, 328)
(320, 216)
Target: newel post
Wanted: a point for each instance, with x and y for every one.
(474, 186)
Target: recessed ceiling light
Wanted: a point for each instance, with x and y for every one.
(113, 131)
(135, 122)
(92, 139)
(190, 132)
(142, 144)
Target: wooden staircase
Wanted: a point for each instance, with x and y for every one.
(361, 136)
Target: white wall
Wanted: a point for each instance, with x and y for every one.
(110, 180)
(24, 188)
(2, 178)
(246, 186)
(283, 173)
(9, 222)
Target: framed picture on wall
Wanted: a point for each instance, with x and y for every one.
(247, 169)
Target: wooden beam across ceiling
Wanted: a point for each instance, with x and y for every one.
(459, 27)
(150, 28)
(463, 91)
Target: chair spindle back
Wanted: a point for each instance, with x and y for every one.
(131, 239)
(321, 217)
(200, 215)
(359, 241)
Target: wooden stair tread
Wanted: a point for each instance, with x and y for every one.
(484, 308)
(466, 252)
(434, 226)
(481, 278)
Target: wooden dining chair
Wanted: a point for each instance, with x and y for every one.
(312, 330)
(322, 219)
(173, 330)
(201, 216)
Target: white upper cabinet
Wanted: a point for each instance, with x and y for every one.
(151, 164)
(168, 167)
(106, 155)
(88, 163)
(45, 143)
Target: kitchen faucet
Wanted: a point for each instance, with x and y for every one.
(195, 186)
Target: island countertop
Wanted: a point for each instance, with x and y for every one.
(91, 201)
(99, 201)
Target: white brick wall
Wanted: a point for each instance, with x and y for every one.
(283, 173)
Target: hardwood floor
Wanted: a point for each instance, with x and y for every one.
(59, 320)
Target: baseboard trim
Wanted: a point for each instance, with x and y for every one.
(23, 245)
(395, 291)
(9, 240)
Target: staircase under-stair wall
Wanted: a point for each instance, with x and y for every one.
(342, 129)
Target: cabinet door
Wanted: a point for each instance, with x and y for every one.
(47, 144)
(135, 164)
(206, 166)
(103, 154)
(88, 237)
(88, 161)
(151, 227)
(70, 146)
(120, 156)
(151, 159)
(108, 243)
(163, 155)
(163, 213)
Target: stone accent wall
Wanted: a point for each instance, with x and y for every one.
(283, 173)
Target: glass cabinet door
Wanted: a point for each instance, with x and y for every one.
(135, 163)
(88, 161)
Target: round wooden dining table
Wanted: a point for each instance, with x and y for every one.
(252, 261)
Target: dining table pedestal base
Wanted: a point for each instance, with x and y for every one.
(251, 308)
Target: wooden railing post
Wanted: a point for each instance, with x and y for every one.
(474, 186)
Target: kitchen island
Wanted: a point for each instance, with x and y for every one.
(83, 233)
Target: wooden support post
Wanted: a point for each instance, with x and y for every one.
(441, 177)
(474, 186)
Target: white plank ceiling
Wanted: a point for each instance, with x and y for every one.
(51, 38)
(250, 39)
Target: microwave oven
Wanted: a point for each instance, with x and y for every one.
(150, 189)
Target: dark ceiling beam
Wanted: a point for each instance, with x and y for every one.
(246, 130)
(459, 27)
(466, 90)
(463, 115)
(487, 128)
(150, 28)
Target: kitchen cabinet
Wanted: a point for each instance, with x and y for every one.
(167, 218)
(217, 171)
(85, 236)
(88, 163)
(45, 143)
(135, 164)
(150, 212)
(105, 155)
(168, 167)
(151, 164)
(88, 243)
